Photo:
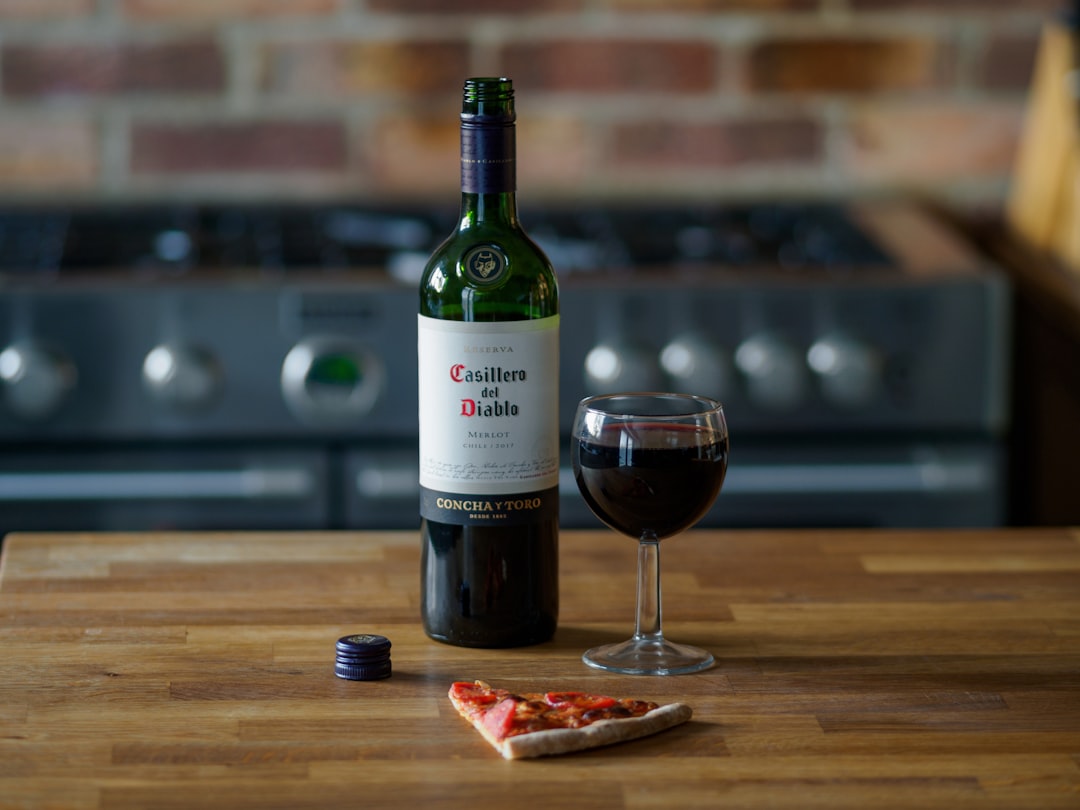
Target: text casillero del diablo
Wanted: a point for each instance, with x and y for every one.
(490, 401)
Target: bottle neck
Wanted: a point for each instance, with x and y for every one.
(489, 208)
(488, 166)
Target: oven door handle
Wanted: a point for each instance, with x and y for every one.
(252, 483)
(925, 476)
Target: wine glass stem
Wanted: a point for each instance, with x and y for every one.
(648, 590)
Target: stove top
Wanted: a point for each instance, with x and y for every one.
(244, 366)
(176, 240)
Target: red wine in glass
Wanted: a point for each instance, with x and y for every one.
(650, 466)
(662, 489)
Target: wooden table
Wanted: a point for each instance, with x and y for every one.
(857, 670)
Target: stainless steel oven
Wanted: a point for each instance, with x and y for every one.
(254, 367)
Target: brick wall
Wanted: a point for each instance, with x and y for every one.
(358, 98)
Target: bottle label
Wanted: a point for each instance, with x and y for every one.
(489, 432)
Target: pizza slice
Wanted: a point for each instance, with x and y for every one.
(545, 724)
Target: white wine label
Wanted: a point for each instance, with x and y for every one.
(489, 404)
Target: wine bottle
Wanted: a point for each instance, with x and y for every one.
(488, 344)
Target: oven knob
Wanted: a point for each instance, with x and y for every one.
(774, 371)
(331, 380)
(615, 367)
(848, 371)
(35, 379)
(696, 366)
(183, 377)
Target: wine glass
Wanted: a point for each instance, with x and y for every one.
(649, 465)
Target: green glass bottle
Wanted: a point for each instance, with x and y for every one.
(488, 343)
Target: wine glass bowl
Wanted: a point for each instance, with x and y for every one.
(649, 465)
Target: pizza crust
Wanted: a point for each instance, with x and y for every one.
(603, 732)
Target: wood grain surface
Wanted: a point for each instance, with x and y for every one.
(856, 670)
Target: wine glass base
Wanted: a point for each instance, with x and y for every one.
(640, 656)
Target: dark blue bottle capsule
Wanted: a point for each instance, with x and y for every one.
(363, 657)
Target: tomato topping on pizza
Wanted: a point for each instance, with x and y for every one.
(578, 700)
(474, 693)
(542, 723)
(499, 719)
